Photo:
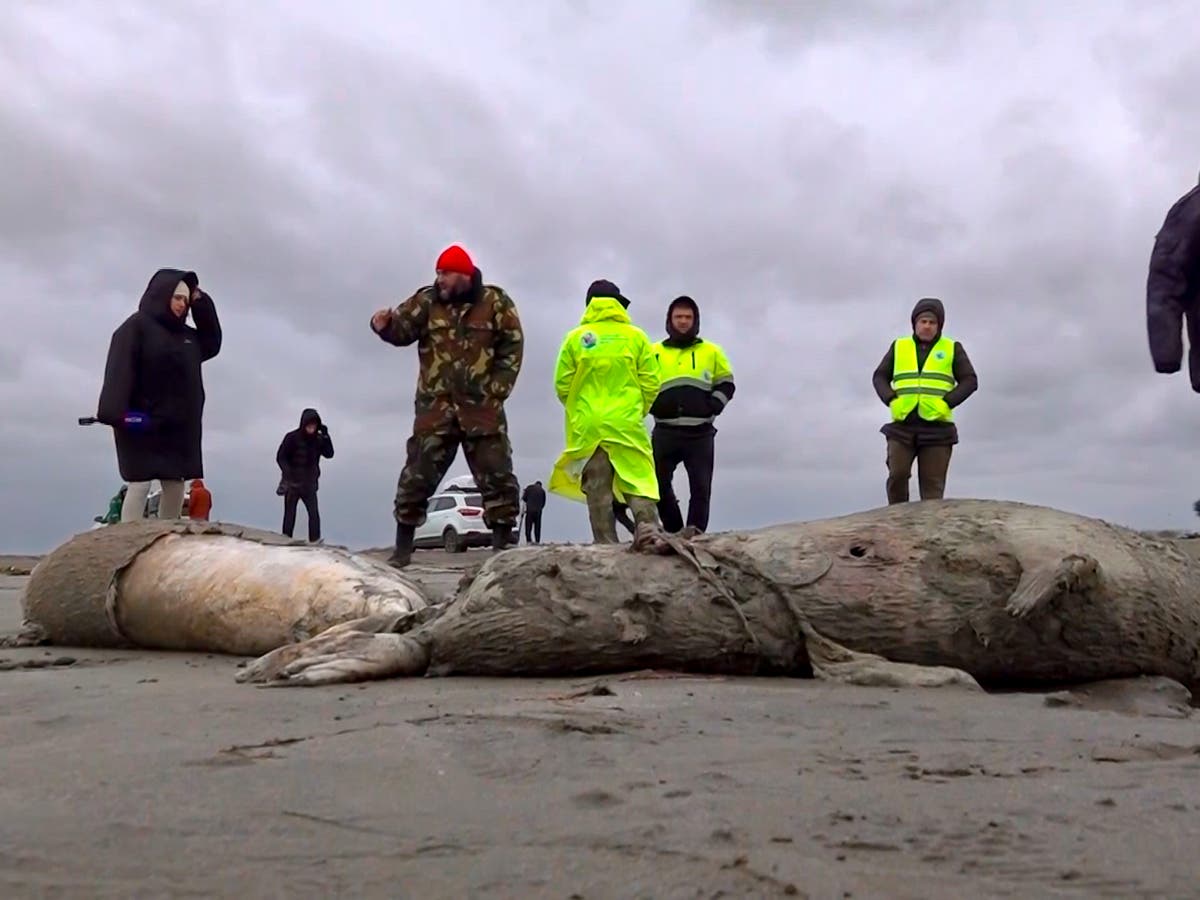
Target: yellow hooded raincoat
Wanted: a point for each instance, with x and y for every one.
(606, 379)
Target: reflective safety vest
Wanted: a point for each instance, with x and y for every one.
(692, 377)
(922, 388)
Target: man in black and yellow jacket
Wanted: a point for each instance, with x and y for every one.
(922, 378)
(697, 384)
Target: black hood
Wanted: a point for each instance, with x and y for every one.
(933, 305)
(309, 415)
(602, 287)
(682, 339)
(156, 299)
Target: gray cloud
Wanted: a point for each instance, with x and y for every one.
(780, 22)
(1012, 159)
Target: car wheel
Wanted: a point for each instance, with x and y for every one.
(452, 542)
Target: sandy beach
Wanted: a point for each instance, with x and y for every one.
(143, 774)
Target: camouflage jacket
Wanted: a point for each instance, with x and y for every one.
(470, 353)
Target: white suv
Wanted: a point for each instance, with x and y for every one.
(454, 522)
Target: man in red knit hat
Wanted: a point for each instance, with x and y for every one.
(469, 344)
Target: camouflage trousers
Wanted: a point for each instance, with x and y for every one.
(597, 486)
(429, 457)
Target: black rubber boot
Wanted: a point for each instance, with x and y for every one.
(501, 537)
(402, 555)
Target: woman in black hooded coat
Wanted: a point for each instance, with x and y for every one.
(153, 392)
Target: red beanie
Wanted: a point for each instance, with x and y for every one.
(455, 259)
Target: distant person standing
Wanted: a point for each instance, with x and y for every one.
(922, 378)
(199, 501)
(606, 378)
(470, 344)
(534, 498)
(299, 459)
(1173, 289)
(153, 391)
(697, 385)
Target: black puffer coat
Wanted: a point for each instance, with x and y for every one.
(1173, 289)
(153, 367)
(299, 455)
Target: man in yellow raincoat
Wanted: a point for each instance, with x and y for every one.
(606, 379)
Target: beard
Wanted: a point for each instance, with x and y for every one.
(449, 292)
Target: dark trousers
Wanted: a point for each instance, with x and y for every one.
(933, 462)
(696, 452)
(622, 517)
(597, 484)
(293, 496)
(533, 526)
(489, 458)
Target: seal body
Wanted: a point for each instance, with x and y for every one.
(977, 592)
(984, 592)
(210, 587)
(1013, 593)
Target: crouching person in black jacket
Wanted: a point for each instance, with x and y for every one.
(299, 458)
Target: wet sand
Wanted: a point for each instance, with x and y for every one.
(131, 774)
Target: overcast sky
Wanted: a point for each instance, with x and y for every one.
(805, 170)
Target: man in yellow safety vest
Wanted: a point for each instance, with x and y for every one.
(922, 378)
(607, 378)
(697, 385)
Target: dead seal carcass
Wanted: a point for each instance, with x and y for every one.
(964, 591)
(214, 587)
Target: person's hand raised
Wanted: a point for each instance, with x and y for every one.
(381, 320)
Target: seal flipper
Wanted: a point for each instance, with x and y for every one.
(31, 635)
(1040, 584)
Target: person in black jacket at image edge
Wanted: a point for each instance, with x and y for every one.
(1173, 289)
(299, 458)
(153, 391)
